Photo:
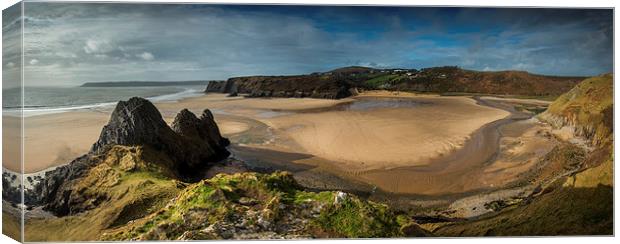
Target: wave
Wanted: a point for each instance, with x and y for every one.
(29, 111)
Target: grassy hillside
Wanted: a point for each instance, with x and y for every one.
(265, 206)
(453, 79)
(130, 183)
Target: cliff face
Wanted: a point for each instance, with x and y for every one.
(190, 145)
(587, 109)
(284, 86)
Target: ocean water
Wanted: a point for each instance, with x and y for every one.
(46, 100)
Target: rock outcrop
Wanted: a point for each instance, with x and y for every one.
(225, 86)
(192, 144)
(216, 86)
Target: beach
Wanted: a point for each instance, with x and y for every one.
(400, 142)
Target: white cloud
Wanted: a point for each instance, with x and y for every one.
(34, 62)
(146, 56)
(10, 65)
(98, 46)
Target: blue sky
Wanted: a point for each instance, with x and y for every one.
(72, 43)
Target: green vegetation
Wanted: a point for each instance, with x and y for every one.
(382, 81)
(263, 203)
(354, 218)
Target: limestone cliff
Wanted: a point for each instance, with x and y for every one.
(587, 109)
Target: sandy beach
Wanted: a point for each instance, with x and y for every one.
(384, 138)
(11, 131)
(405, 142)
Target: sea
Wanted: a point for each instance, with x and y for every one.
(48, 100)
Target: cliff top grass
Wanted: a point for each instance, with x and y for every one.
(264, 203)
(590, 96)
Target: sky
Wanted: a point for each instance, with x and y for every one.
(67, 44)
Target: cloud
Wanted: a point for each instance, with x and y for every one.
(10, 65)
(91, 42)
(34, 62)
(146, 56)
(98, 46)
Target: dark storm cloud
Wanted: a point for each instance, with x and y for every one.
(67, 44)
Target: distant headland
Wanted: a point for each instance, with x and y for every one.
(145, 83)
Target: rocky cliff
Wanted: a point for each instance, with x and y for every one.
(284, 86)
(587, 110)
(190, 145)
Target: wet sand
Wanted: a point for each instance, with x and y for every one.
(376, 133)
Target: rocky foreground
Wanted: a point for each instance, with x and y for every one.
(264, 206)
